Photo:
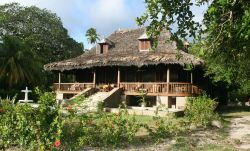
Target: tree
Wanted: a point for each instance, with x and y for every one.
(34, 37)
(17, 64)
(222, 40)
(40, 29)
(92, 35)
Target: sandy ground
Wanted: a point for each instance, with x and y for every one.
(240, 130)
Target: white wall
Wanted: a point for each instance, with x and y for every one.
(162, 100)
(181, 102)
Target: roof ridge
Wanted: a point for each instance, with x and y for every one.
(124, 30)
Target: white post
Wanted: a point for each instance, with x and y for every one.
(168, 78)
(59, 80)
(94, 78)
(118, 78)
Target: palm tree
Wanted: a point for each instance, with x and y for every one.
(92, 36)
(17, 64)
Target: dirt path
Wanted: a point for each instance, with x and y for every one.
(240, 130)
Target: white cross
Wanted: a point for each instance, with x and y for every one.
(26, 100)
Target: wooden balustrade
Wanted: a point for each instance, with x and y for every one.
(161, 88)
(176, 87)
(164, 88)
(72, 86)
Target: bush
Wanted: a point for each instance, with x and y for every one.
(200, 110)
(108, 129)
(31, 128)
(167, 126)
(100, 106)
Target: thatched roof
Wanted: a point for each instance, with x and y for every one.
(124, 52)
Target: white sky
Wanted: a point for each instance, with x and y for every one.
(104, 15)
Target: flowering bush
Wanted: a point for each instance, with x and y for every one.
(107, 129)
(31, 128)
(200, 110)
(165, 127)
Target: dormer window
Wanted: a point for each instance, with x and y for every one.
(104, 46)
(144, 43)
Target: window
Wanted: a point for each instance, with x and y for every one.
(144, 45)
(104, 48)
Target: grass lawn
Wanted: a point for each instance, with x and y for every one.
(209, 139)
(200, 139)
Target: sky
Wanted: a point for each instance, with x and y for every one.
(104, 15)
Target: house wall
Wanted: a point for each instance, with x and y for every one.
(181, 102)
(162, 100)
(172, 102)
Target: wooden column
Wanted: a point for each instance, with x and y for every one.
(118, 78)
(191, 76)
(94, 78)
(168, 78)
(59, 81)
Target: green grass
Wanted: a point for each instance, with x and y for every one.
(187, 142)
(234, 111)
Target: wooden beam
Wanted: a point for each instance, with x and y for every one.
(118, 78)
(191, 75)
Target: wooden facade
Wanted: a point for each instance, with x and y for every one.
(154, 80)
(125, 60)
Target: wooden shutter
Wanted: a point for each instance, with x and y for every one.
(144, 45)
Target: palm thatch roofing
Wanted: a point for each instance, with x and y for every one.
(124, 51)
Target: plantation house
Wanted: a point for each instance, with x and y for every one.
(123, 66)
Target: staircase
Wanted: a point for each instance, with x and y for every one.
(87, 92)
(90, 104)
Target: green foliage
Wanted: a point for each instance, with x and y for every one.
(223, 41)
(227, 44)
(163, 14)
(167, 126)
(41, 29)
(200, 110)
(108, 129)
(31, 37)
(92, 35)
(100, 106)
(31, 128)
(44, 127)
(17, 62)
(142, 96)
(78, 100)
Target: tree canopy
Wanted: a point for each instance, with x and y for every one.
(42, 30)
(17, 65)
(31, 37)
(92, 35)
(223, 38)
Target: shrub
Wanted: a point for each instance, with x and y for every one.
(108, 129)
(167, 126)
(100, 106)
(31, 128)
(6, 123)
(200, 110)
